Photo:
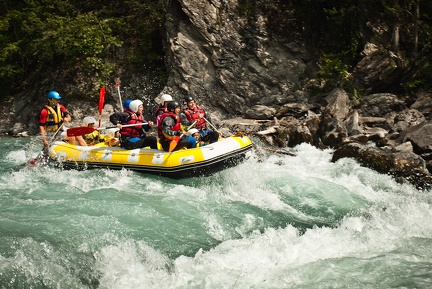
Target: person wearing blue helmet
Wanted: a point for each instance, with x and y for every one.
(52, 116)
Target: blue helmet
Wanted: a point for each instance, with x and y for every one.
(54, 94)
(127, 103)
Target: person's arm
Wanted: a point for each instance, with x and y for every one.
(42, 120)
(67, 118)
(43, 135)
(148, 125)
(65, 114)
(210, 124)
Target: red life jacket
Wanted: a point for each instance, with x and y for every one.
(193, 114)
(132, 131)
(176, 127)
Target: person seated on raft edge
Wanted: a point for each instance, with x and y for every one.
(192, 112)
(193, 132)
(133, 137)
(91, 138)
(112, 137)
(170, 129)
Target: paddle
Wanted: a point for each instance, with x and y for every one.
(213, 127)
(101, 103)
(83, 130)
(118, 91)
(175, 141)
(41, 156)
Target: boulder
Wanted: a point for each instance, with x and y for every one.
(403, 165)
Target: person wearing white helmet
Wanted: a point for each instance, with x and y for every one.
(93, 137)
(112, 136)
(134, 136)
(112, 132)
(89, 121)
(193, 132)
(164, 100)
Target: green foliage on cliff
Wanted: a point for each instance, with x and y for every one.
(76, 39)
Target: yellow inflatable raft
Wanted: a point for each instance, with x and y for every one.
(227, 152)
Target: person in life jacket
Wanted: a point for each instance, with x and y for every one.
(192, 112)
(112, 137)
(170, 129)
(94, 137)
(195, 133)
(52, 116)
(132, 137)
(164, 100)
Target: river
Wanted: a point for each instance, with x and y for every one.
(274, 221)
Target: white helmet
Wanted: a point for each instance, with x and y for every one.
(165, 97)
(134, 105)
(88, 119)
(192, 131)
(111, 132)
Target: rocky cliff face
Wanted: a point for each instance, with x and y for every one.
(232, 62)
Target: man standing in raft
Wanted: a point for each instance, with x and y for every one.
(52, 116)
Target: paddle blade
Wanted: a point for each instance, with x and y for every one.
(101, 99)
(41, 159)
(173, 144)
(77, 131)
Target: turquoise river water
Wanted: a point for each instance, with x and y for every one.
(274, 221)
